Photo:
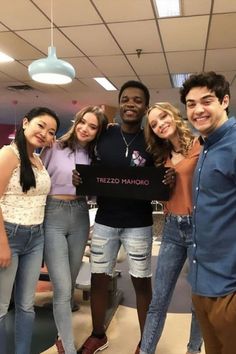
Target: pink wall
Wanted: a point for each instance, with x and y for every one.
(5, 130)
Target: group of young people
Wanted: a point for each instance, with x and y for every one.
(200, 216)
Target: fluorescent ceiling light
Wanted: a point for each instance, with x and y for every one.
(105, 83)
(4, 58)
(168, 8)
(178, 79)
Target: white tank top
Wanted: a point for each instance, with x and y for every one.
(25, 208)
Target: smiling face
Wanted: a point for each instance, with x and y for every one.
(40, 131)
(87, 128)
(204, 110)
(132, 106)
(162, 123)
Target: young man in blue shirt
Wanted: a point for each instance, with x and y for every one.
(213, 262)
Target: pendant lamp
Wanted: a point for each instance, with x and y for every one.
(51, 70)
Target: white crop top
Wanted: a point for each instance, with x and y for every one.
(25, 208)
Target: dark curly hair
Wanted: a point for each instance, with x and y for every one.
(214, 82)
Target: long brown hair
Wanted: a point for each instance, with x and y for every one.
(161, 148)
(69, 139)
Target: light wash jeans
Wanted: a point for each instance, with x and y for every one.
(66, 232)
(26, 243)
(137, 242)
(177, 237)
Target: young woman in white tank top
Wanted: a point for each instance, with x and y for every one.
(24, 185)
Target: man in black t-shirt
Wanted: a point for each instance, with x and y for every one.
(121, 221)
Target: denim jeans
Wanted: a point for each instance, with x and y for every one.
(137, 242)
(177, 237)
(66, 232)
(26, 243)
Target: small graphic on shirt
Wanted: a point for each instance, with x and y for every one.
(137, 159)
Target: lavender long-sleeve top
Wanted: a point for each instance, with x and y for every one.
(60, 163)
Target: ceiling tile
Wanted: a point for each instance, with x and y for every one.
(224, 6)
(234, 81)
(15, 71)
(120, 80)
(120, 11)
(20, 19)
(4, 77)
(156, 82)
(16, 47)
(42, 40)
(70, 12)
(113, 65)
(149, 64)
(3, 28)
(185, 62)
(220, 59)
(190, 33)
(166, 95)
(229, 75)
(199, 7)
(93, 40)
(223, 31)
(126, 36)
(84, 67)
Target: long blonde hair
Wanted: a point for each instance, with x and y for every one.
(69, 139)
(161, 148)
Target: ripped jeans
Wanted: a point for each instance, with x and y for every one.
(137, 242)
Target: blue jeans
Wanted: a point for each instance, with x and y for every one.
(26, 243)
(66, 232)
(177, 237)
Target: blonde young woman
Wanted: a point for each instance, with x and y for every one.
(66, 216)
(172, 144)
(24, 185)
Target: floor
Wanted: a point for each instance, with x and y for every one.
(123, 331)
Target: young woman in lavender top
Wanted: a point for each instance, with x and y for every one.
(66, 216)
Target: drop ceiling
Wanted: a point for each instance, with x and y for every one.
(101, 38)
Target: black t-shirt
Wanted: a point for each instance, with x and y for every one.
(111, 149)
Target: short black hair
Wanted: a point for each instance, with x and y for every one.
(214, 82)
(136, 84)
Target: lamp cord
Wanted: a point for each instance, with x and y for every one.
(51, 24)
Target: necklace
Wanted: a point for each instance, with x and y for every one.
(128, 144)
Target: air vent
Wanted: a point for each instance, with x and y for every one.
(20, 88)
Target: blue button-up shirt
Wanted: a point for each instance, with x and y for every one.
(213, 263)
